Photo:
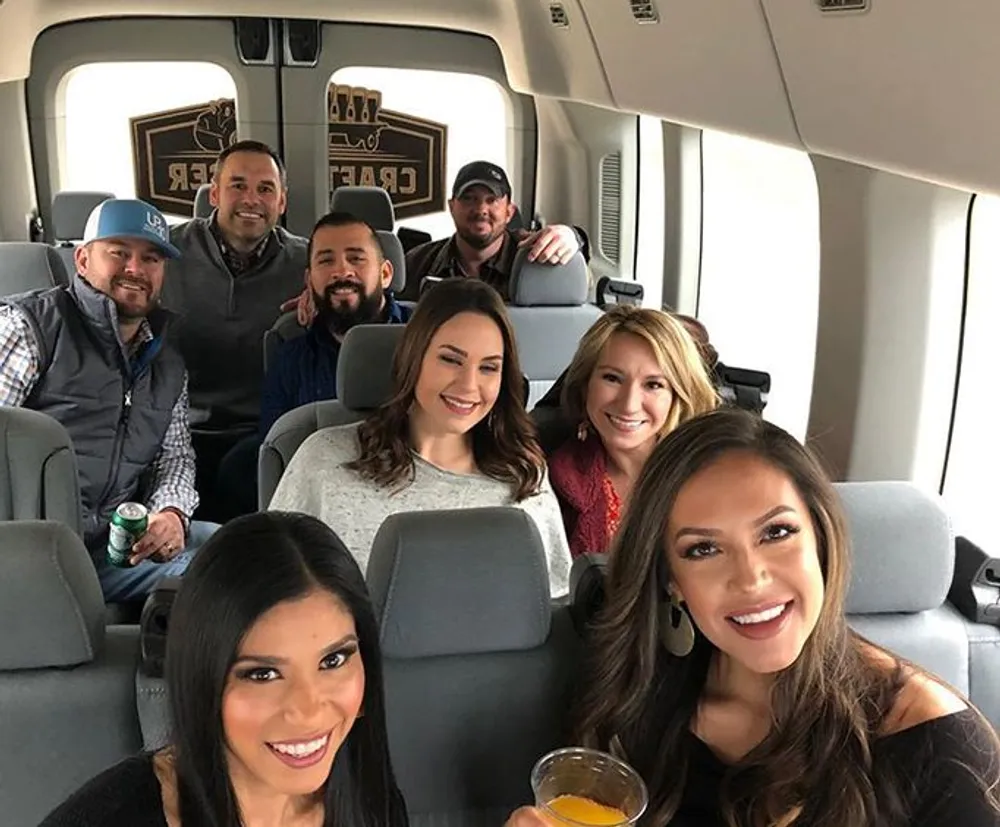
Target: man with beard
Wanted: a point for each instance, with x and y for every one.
(93, 355)
(237, 268)
(483, 245)
(348, 277)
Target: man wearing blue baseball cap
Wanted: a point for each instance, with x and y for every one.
(93, 355)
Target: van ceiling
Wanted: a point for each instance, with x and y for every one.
(908, 86)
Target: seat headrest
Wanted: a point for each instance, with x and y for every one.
(202, 206)
(445, 584)
(548, 285)
(38, 470)
(29, 265)
(70, 211)
(371, 204)
(364, 367)
(392, 249)
(51, 606)
(903, 548)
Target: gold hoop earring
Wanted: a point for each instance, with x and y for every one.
(582, 431)
(676, 628)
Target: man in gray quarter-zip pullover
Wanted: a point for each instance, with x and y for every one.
(93, 355)
(236, 269)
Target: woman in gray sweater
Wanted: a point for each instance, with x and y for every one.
(455, 434)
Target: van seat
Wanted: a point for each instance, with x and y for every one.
(70, 211)
(479, 667)
(67, 682)
(202, 205)
(38, 474)
(364, 381)
(371, 204)
(550, 313)
(30, 265)
(902, 565)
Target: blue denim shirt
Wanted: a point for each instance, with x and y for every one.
(305, 369)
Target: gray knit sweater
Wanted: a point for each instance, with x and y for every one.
(317, 483)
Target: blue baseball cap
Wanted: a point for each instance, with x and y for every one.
(130, 218)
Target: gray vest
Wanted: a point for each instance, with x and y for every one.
(116, 412)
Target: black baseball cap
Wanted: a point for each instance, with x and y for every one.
(484, 174)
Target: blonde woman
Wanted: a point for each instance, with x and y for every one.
(637, 374)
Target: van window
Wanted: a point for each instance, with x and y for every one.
(970, 484)
(474, 109)
(759, 289)
(97, 101)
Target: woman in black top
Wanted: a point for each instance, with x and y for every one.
(274, 679)
(723, 669)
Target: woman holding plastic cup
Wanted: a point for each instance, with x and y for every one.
(723, 670)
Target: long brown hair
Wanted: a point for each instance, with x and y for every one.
(676, 353)
(504, 443)
(827, 708)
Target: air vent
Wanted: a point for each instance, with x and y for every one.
(843, 5)
(611, 207)
(558, 16)
(644, 11)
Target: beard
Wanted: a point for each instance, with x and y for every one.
(481, 242)
(339, 317)
(137, 306)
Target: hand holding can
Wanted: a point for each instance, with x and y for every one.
(128, 524)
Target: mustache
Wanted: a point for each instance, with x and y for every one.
(341, 284)
(120, 281)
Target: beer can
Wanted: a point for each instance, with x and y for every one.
(128, 524)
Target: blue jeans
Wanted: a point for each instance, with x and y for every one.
(136, 582)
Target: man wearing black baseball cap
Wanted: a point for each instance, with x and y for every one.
(484, 245)
(93, 354)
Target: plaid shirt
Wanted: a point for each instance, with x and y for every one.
(173, 472)
(237, 262)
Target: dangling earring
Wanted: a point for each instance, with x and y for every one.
(676, 628)
(582, 431)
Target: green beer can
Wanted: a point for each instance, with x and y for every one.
(128, 524)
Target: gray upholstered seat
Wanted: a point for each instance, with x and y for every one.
(903, 562)
(38, 475)
(27, 265)
(371, 204)
(287, 326)
(202, 205)
(364, 381)
(67, 682)
(70, 211)
(550, 312)
(479, 668)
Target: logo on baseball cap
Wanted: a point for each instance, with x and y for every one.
(130, 218)
(484, 174)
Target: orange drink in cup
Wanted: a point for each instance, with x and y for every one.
(582, 787)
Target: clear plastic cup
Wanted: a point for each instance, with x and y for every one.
(587, 788)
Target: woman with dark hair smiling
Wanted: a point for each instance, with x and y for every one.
(455, 433)
(274, 678)
(723, 669)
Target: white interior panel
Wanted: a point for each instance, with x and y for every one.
(910, 86)
(538, 57)
(705, 63)
(892, 268)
